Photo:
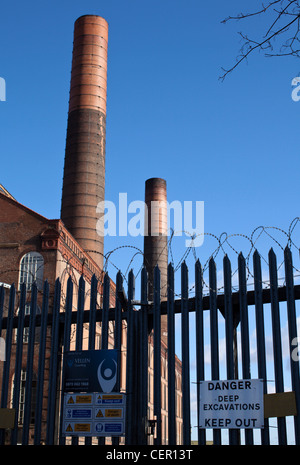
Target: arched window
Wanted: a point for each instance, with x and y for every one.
(32, 270)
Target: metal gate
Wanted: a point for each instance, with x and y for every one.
(221, 335)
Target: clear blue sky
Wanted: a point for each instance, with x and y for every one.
(233, 145)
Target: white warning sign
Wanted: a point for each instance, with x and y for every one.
(231, 404)
(94, 414)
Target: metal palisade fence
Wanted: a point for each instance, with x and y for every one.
(242, 334)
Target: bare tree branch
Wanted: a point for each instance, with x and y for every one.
(289, 9)
(248, 15)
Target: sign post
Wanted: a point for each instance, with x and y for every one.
(231, 404)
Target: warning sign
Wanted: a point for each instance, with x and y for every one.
(78, 429)
(231, 404)
(78, 399)
(99, 414)
(109, 399)
(82, 427)
(109, 413)
(94, 414)
(113, 413)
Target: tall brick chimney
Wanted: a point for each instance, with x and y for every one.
(84, 170)
(156, 238)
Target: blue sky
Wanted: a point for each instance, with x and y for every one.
(232, 144)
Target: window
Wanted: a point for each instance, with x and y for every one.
(32, 270)
(22, 398)
(26, 329)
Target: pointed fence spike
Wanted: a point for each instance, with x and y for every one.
(271, 253)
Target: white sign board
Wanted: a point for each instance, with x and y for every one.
(94, 414)
(231, 404)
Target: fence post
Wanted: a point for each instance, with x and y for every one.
(185, 356)
(8, 341)
(104, 331)
(18, 363)
(199, 343)
(130, 411)
(92, 315)
(171, 359)
(143, 359)
(260, 336)
(80, 309)
(41, 366)
(53, 369)
(79, 326)
(66, 346)
(292, 325)
(2, 295)
(214, 338)
(118, 337)
(278, 369)
(92, 327)
(229, 330)
(157, 354)
(104, 326)
(29, 367)
(245, 347)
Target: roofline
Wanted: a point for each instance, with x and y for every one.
(28, 210)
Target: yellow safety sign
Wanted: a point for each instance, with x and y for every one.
(79, 399)
(83, 399)
(113, 413)
(82, 427)
(112, 396)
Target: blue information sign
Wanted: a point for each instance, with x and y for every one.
(90, 371)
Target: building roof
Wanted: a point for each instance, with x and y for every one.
(4, 191)
(64, 240)
(13, 201)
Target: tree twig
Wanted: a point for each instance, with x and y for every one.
(265, 43)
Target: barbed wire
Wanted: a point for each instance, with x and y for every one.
(224, 240)
(224, 246)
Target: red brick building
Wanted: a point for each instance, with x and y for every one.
(34, 249)
(56, 253)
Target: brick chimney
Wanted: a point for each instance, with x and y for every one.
(156, 238)
(84, 170)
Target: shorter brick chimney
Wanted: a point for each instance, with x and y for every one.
(156, 238)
